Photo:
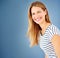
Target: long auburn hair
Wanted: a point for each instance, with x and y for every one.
(34, 29)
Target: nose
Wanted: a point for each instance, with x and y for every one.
(36, 16)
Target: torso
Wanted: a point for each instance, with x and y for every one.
(45, 41)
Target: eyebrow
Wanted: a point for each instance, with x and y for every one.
(33, 13)
(37, 12)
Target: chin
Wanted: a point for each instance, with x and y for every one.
(37, 22)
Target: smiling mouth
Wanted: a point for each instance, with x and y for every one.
(39, 19)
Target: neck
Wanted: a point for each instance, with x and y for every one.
(44, 26)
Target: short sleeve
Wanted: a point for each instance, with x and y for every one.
(52, 30)
(55, 30)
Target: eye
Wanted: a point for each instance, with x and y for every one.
(33, 13)
(38, 11)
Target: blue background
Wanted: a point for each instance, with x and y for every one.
(14, 24)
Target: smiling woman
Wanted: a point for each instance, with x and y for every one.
(42, 31)
(38, 14)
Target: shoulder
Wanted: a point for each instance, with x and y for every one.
(53, 30)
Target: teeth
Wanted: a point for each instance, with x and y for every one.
(38, 19)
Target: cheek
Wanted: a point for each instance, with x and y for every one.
(42, 15)
(33, 17)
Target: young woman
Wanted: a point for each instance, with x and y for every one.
(42, 31)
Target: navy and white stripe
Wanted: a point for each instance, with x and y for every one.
(45, 41)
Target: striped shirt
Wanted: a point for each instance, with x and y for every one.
(45, 41)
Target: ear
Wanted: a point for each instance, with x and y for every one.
(45, 12)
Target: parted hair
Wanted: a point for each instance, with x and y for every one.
(34, 29)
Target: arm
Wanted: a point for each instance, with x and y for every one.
(56, 43)
(46, 56)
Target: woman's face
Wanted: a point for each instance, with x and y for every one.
(38, 15)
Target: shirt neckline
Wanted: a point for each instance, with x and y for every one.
(46, 29)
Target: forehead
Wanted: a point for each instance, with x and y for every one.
(34, 9)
